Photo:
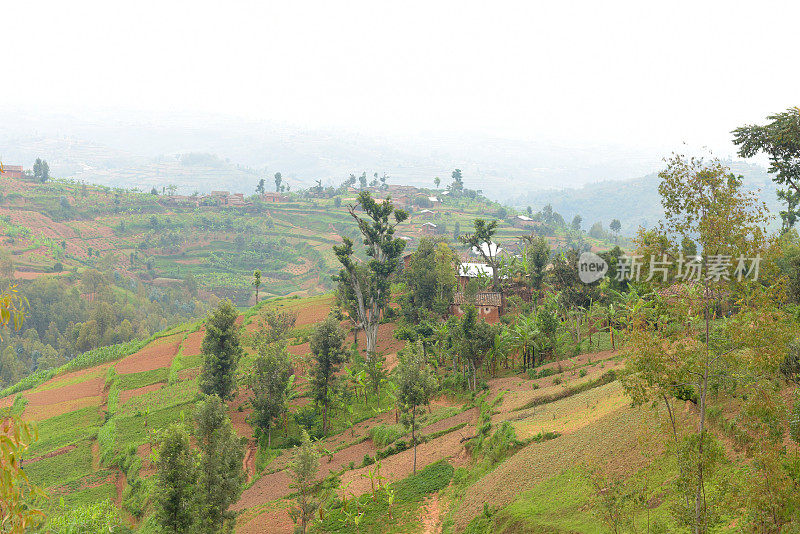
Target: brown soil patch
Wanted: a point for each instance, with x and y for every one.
(300, 350)
(275, 520)
(193, 343)
(154, 356)
(239, 418)
(399, 466)
(431, 515)
(72, 392)
(46, 411)
(249, 461)
(127, 394)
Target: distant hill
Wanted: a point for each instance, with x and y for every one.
(634, 202)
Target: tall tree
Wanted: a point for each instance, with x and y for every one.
(372, 291)
(780, 139)
(431, 276)
(257, 282)
(437, 181)
(416, 385)
(174, 491)
(219, 475)
(303, 470)
(458, 182)
(576, 223)
(702, 201)
(327, 346)
(261, 188)
(222, 350)
(270, 385)
(278, 180)
(481, 241)
(535, 257)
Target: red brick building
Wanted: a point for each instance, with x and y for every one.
(488, 303)
(13, 171)
(271, 196)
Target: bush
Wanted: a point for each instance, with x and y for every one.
(383, 435)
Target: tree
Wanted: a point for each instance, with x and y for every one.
(535, 257)
(278, 180)
(576, 223)
(257, 282)
(303, 469)
(372, 290)
(416, 384)
(431, 276)
(702, 200)
(174, 491)
(780, 139)
(481, 240)
(326, 345)
(475, 339)
(458, 183)
(222, 350)
(437, 181)
(362, 180)
(17, 494)
(269, 382)
(261, 188)
(41, 170)
(615, 226)
(219, 474)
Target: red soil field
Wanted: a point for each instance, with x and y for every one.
(193, 342)
(46, 411)
(72, 392)
(154, 356)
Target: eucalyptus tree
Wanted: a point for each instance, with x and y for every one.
(371, 287)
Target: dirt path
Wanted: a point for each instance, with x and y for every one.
(120, 483)
(431, 515)
(249, 462)
(51, 454)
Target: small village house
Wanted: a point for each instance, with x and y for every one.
(13, 171)
(488, 303)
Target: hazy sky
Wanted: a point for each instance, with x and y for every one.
(636, 73)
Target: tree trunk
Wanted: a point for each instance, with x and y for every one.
(413, 435)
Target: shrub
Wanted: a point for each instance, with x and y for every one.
(383, 435)
(582, 373)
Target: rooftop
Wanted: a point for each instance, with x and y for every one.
(484, 298)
